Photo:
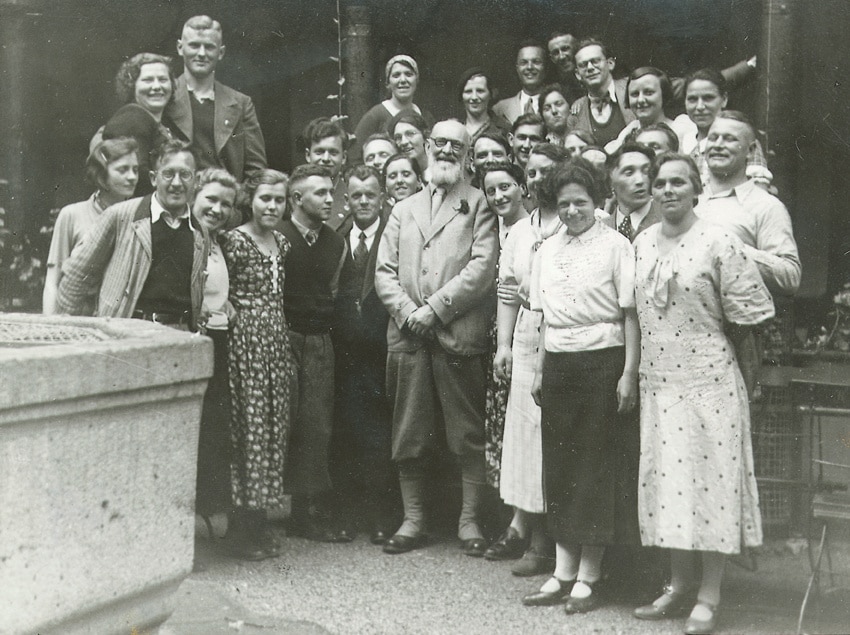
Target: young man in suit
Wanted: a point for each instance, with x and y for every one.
(218, 122)
(531, 71)
(634, 209)
(436, 276)
(360, 444)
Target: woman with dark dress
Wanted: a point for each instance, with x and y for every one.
(145, 85)
(260, 365)
(215, 208)
(401, 75)
(585, 379)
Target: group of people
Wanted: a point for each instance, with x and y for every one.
(561, 290)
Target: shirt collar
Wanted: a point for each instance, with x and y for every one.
(741, 192)
(369, 231)
(303, 229)
(157, 210)
(202, 96)
(584, 237)
(636, 217)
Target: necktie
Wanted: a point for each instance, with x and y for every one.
(360, 252)
(599, 103)
(529, 106)
(625, 227)
(311, 237)
(437, 200)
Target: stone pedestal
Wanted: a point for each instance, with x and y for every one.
(98, 446)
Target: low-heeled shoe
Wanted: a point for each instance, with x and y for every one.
(583, 605)
(532, 563)
(474, 547)
(702, 627)
(379, 536)
(509, 546)
(312, 529)
(550, 598)
(402, 544)
(670, 604)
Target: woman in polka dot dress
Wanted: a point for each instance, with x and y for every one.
(696, 292)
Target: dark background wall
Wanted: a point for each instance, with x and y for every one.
(64, 55)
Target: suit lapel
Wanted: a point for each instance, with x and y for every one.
(421, 210)
(226, 115)
(369, 278)
(180, 111)
(142, 225)
(448, 210)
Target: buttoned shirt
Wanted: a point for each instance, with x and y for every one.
(582, 284)
(635, 218)
(763, 224)
(370, 231)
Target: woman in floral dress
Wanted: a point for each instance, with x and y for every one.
(259, 365)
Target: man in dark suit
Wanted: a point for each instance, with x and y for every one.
(634, 209)
(219, 122)
(361, 467)
(436, 276)
(531, 71)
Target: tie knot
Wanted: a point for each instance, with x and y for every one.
(311, 237)
(363, 237)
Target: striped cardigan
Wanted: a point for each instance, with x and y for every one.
(106, 273)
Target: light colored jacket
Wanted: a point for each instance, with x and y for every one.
(449, 263)
(112, 263)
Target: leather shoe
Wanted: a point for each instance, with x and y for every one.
(378, 536)
(533, 563)
(585, 604)
(474, 547)
(311, 529)
(400, 543)
(671, 603)
(702, 627)
(550, 598)
(509, 546)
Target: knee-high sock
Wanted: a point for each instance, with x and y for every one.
(473, 476)
(411, 478)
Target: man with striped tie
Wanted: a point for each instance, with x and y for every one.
(634, 208)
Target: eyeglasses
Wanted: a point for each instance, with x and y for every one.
(441, 142)
(185, 175)
(596, 62)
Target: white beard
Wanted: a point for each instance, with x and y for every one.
(444, 173)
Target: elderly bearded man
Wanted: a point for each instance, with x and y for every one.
(436, 275)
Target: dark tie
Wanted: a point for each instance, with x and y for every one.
(529, 107)
(311, 237)
(360, 252)
(625, 227)
(599, 103)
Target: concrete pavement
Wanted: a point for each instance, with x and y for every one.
(348, 589)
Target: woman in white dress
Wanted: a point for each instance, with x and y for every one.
(696, 293)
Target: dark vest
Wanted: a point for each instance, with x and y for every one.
(168, 285)
(203, 132)
(307, 298)
(611, 130)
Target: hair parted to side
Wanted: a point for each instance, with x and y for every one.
(104, 153)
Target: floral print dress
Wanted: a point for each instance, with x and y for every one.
(260, 371)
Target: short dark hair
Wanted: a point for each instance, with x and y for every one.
(663, 80)
(414, 165)
(410, 117)
(576, 171)
(104, 153)
(169, 147)
(667, 157)
(546, 91)
(614, 159)
(708, 75)
(362, 172)
(671, 135)
(129, 71)
(531, 43)
(496, 136)
(468, 74)
(592, 41)
(516, 172)
(322, 128)
(560, 33)
(553, 152)
(377, 136)
(528, 119)
(305, 171)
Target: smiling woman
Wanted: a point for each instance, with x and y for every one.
(145, 84)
